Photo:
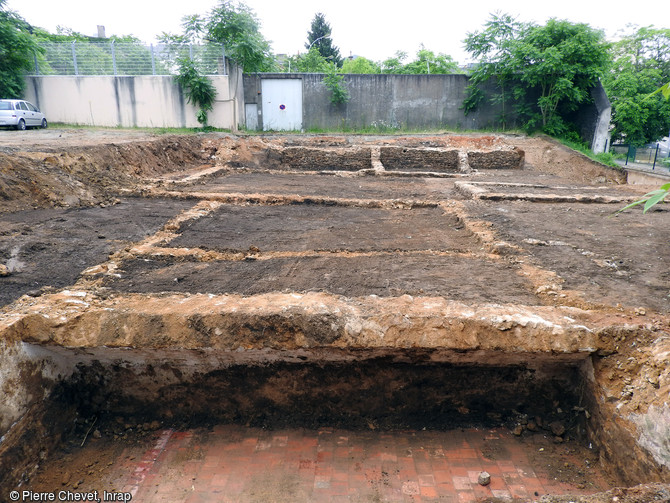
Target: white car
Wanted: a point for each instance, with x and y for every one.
(21, 114)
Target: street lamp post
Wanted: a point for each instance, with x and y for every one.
(315, 41)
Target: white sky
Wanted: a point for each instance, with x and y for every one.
(375, 29)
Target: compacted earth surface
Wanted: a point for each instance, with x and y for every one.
(328, 318)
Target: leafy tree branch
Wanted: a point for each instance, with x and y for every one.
(657, 196)
(17, 51)
(636, 84)
(335, 83)
(558, 62)
(198, 88)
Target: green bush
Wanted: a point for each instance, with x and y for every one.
(335, 83)
(606, 158)
(198, 88)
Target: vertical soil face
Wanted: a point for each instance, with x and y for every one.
(511, 159)
(380, 393)
(60, 172)
(35, 436)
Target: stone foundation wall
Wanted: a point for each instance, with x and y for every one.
(317, 159)
(498, 159)
(408, 159)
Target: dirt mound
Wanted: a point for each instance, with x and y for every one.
(549, 156)
(84, 176)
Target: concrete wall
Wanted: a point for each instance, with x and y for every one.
(594, 119)
(132, 101)
(413, 102)
(406, 101)
(386, 101)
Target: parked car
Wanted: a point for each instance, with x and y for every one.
(21, 114)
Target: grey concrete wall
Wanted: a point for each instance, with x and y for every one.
(236, 96)
(415, 102)
(594, 119)
(599, 134)
(133, 101)
(404, 101)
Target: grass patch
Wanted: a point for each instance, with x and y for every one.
(605, 158)
(153, 130)
(380, 127)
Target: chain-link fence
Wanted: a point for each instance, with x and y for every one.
(123, 58)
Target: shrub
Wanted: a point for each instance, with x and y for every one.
(198, 88)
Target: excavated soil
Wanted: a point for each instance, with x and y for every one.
(46, 250)
(371, 275)
(307, 227)
(613, 260)
(368, 393)
(322, 185)
(474, 280)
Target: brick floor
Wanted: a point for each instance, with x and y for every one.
(237, 464)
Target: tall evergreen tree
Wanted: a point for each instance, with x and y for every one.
(319, 37)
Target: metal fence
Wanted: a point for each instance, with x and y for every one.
(653, 155)
(123, 58)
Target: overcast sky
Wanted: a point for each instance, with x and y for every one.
(374, 29)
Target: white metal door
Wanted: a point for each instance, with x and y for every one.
(282, 104)
(251, 116)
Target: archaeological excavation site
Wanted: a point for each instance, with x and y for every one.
(310, 318)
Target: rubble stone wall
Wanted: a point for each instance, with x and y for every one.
(403, 159)
(316, 159)
(497, 159)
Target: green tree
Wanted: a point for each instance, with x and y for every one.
(132, 56)
(359, 65)
(236, 26)
(94, 55)
(426, 62)
(558, 62)
(17, 52)
(659, 195)
(394, 65)
(319, 37)
(493, 47)
(92, 58)
(175, 47)
(312, 62)
(337, 87)
(641, 65)
(562, 60)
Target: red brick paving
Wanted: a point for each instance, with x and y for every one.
(238, 464)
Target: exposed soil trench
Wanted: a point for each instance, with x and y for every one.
(447, 304)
